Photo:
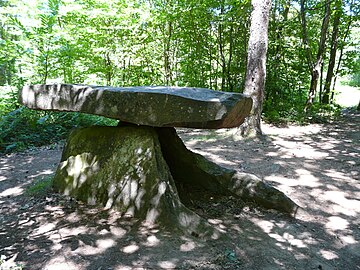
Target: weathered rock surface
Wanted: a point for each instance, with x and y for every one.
(191, 170)
(156, 106)
(148, 173)
(252, 189)
(123, 168)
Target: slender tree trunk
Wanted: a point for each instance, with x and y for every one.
(338, 65)
(124, 72)
(128, 81)
(279, 59)
(305, 37)
(46, 72)
(175, 72)
(256, 65)
(222, 54)
(334, 45)
(342, 45)
(210, 61)
(321, 81)
(314, 66)
(108, 68)
(244, 56)
(231, 46)
(167, 58)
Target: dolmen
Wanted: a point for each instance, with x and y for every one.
(141, 167)
(155, 106)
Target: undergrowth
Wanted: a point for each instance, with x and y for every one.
(23, 128)
(285, 114)
(40, 187)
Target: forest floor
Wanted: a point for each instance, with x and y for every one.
(318, 166)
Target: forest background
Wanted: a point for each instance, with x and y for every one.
(167, 42)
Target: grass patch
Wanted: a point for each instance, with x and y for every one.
(40, 187)
(211, 135)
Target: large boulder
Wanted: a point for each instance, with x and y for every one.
(157, 106)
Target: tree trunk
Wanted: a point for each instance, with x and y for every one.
(305, 37)
(231, 46)
(46, 71)
(221, 51)
(321, 81)
(334, 45)
(256, 65)
(347, 32)
(314, 67)
(108, 68)
(342, 45)
(315, 73)
(167, 57)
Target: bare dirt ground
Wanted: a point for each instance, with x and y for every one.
(318, 166)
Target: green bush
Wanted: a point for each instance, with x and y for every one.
(24, 128)
(355, 80)
(294, 113)
(323, 113)
(284, 111)
(8, 101)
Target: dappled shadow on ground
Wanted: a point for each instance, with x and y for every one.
(50, 231)
(72, 236)
(317, 166)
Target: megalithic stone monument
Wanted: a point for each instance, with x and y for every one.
(142, 168)
(156, 106)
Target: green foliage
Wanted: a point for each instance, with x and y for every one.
(8, 100)
(284, 113)
(355, 80)
(185, 43)
(285, 99)
(323, 113)
(353, 63)
(40, 187)
(24, 128)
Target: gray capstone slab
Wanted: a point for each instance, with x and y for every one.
(158, 106)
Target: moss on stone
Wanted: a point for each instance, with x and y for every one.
(124, 168)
